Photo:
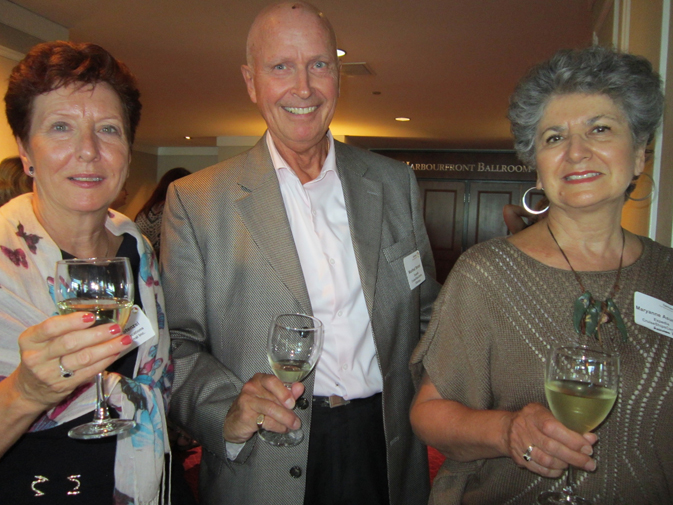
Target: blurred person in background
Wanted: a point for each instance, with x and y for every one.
(149, 217)
(13, 180)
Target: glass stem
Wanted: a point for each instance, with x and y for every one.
(569, 489)
(100, 413)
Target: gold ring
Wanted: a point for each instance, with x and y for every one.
(260, 420)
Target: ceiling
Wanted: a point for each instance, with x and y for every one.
(449, 65)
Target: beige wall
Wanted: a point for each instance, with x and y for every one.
(636, 26)
(7, 143)
(141, 182)
(193, 163)
(644, 39)
(664, 202)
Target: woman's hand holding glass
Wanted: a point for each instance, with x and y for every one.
(263, 394)
(71, 342)
(554, 446)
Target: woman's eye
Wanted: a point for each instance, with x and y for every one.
(60, 127)
(601, 129)
(552, 139)
(110, 129)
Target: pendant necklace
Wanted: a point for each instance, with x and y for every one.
(590, 314)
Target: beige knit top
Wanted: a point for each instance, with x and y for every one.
(493, 324)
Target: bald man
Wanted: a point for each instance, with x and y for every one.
(300, 223)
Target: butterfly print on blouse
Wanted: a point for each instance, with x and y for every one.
(18, 257)
(31, 239)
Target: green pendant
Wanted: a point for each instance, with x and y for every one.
(588, 315)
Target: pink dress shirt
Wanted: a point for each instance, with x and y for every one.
(348, 366)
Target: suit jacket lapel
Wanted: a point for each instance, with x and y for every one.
(263, 213)
(364, 204)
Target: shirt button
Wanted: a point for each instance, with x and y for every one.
(295, 471)
(331, 261)
(344, 367)
(340, 313)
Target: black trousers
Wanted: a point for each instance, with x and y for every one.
(347, 455)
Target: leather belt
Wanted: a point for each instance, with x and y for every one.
(332, 401)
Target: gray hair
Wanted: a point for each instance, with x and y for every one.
(627, 79)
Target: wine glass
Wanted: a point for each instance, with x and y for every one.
(581, 386)
(104, 287)
(294, 345)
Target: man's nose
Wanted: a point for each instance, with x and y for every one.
(302, 86)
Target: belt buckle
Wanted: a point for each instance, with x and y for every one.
(337, 401)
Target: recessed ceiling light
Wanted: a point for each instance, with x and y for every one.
(188, 138)
(402, 119)
(340, 53)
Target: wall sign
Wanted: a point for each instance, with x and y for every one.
(461, 164)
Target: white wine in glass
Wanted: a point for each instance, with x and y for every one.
(293, 348)
(581, 386)
(103, 287)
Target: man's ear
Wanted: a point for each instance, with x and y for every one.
(249, 78)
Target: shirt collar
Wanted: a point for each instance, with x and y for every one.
(279, 163)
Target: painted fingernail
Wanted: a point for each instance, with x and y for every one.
(88, 318)
(115, 329)
(126, 340)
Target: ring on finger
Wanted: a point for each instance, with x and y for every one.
(260, 420)
(527, 455)
(66, 373)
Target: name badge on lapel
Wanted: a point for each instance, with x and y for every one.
(653, 313)
(414, 269)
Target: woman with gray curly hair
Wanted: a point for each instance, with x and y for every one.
(583, 119)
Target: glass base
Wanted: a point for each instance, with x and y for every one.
(101, 429)
(561, 498)
(288, 439)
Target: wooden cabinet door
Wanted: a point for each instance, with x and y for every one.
(486, 201)
(443, 208)
(455, 223)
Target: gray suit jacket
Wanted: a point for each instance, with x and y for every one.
(230, 265)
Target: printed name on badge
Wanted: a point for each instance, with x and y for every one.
(414, 269)
(138, 327)
(653, 313)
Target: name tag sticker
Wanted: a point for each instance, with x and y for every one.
(138, 327)
(414, 269)
(652, 313)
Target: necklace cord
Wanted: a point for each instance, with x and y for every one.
(588, 319)
(615, 287)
